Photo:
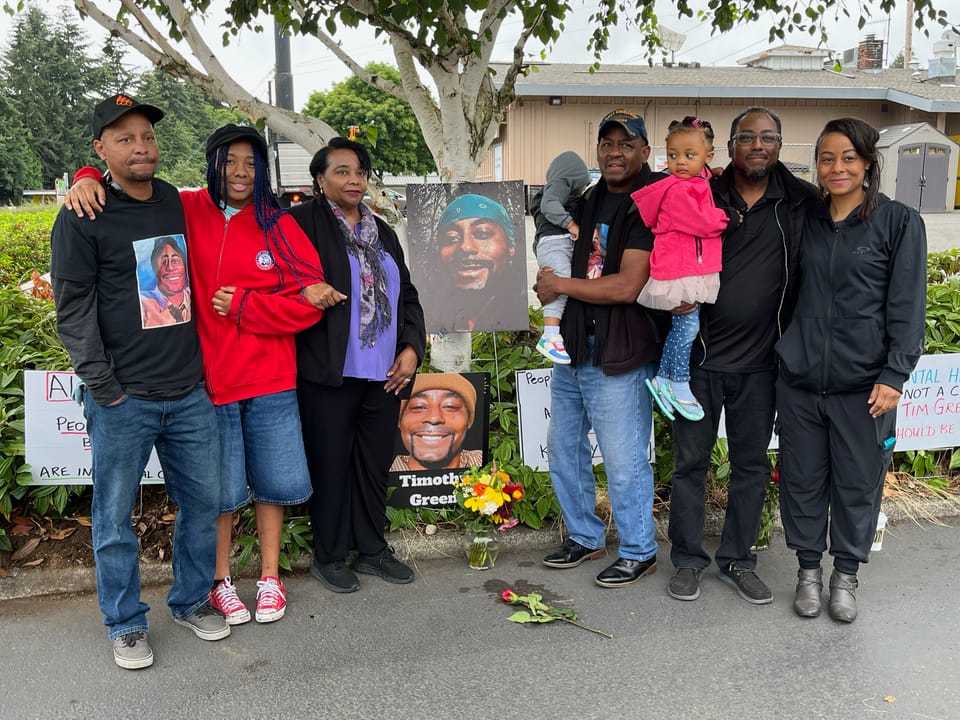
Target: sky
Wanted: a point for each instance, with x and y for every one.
(250, 58)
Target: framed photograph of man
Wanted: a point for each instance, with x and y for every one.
(443, 430)
(468, 255)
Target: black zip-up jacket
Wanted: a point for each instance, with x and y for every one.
(322, 348)
(861, 312)
(788, 212)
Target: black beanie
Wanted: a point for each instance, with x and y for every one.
(231, 133)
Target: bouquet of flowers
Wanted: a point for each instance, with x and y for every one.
(488, 494)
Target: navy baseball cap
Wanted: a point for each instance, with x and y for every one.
(631, 123)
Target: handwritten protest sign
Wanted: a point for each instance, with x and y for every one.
(928, 416)
(58, 449)
(533, 407)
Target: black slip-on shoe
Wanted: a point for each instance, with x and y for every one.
(572, 555)
(626, 572)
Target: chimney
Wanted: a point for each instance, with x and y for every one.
(870, 53)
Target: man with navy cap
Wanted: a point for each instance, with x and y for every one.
(142, 384)
(614, 345)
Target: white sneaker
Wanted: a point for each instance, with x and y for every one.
(551, 347)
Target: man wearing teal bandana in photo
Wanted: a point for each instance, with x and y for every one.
(480, 287)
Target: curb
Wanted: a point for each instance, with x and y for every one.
(414, 546)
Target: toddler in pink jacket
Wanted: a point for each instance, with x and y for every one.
(685, 262)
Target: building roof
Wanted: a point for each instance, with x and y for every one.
(785, 51)
(894, 85)
(890, 135)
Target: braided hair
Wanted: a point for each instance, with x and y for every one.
(266, 210)
(691, 123)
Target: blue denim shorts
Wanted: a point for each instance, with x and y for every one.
(262, 452)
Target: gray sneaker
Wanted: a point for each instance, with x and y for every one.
(207, 622)
(132, 651)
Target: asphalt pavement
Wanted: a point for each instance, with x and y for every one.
(442, 648)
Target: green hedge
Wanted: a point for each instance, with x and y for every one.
(28, 340)
(24, 243)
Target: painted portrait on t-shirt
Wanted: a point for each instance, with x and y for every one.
(598, 251)
(163, 281)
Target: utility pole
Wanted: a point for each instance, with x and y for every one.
(908, 36)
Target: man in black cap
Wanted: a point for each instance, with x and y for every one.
(141, 386)
(613, 347)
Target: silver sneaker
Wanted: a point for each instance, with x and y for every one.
(132, 651)
(207, 622)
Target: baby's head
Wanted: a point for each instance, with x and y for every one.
(689, 146)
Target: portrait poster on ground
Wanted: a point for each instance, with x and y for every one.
(468, 255)
(57, 446)
(443, 430)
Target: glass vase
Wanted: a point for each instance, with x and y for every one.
(481, 545)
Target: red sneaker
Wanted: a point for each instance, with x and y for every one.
(224, 598)
(271, 600)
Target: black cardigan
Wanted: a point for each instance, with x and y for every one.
(322, 348)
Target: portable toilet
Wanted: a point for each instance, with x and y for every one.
(919, 166)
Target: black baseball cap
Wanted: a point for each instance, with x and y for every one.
(231, 133)
(113, 108)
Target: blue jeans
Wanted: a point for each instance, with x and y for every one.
(675, 363)
(262, 447)
(184, 432)
(618, 408)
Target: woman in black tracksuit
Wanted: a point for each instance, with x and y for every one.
(855, 337)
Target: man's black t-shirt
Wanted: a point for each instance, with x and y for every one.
(739, 330)
(153, 352)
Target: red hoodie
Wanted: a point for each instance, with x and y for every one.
(686, 227)
(250, 352)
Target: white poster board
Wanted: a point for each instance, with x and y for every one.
(929, 413)
(928, 416)
(533, 409)
(58, 449)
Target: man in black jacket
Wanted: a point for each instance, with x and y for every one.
(613, 346)
(733, 368)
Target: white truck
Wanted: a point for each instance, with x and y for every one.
(290, 172)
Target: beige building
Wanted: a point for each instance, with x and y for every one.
(559, 106)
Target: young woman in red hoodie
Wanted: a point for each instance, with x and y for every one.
(256, 280)
(685, 262)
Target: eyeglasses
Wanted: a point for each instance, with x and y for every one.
(748, 138)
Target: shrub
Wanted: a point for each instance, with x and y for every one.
(28, 340)
(24, 243)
